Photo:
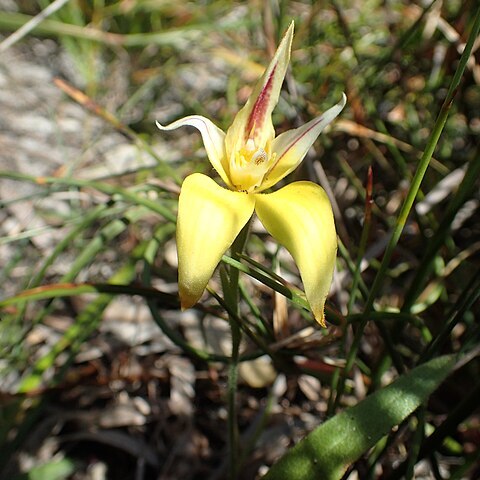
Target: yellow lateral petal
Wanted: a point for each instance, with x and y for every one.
(299, 216)
(291, 147)
(256, 115)
(209, 219)
(213, 139)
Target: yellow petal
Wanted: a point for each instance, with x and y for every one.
(291, 147)
(213, 139)
(256, 115)
(209, 219)
(299, 216)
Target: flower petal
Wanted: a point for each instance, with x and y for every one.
(299, 216)
(256, 115)
(213, 139)
(291, 147)
(209, 219)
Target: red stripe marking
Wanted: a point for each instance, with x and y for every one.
(257, 116)
(299, 138)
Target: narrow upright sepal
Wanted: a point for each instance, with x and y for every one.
(254, 120)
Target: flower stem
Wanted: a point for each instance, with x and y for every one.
(231, 296)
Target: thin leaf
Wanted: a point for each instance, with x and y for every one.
(70, 289)
(127, 195)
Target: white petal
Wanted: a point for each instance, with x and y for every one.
(291, 147)
(213, 139)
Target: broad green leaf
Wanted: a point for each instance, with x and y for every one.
(326, 453)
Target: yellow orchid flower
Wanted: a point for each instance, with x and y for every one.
(250, 159)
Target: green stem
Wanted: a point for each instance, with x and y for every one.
(422, 168)
(465, 190)
(409, 200)
(231, 296)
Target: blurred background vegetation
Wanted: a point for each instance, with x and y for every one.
(101, 375)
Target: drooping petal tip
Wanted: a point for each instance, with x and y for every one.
(319, 316)
(186, 300)
(299, 216)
